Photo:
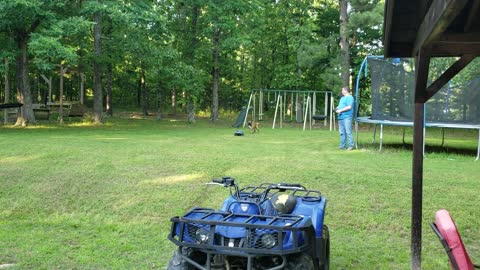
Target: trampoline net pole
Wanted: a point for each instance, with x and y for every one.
(381, 136)
(478, 146)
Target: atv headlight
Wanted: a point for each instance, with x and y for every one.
(202, 236)
(268, 240)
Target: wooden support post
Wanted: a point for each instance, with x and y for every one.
(326, 110)
(421, 77)
(253, 110)
(307, 103)
(449, 74)
(260, 106)
(248, 107)
(276, 110)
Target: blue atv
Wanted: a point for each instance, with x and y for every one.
(266, 227)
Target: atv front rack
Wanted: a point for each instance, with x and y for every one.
(204, 230)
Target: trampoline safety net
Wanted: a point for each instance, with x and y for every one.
(393, 86)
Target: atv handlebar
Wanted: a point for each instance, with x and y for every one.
(218, 181)
(227, 181)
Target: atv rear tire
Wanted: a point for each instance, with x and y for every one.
(178, 263)
(299, 262)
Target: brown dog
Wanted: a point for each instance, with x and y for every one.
(254, 127)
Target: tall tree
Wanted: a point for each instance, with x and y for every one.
(97, 67)
(344, 45)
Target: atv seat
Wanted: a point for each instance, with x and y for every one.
(447, 232)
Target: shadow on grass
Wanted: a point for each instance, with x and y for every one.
(428, 148)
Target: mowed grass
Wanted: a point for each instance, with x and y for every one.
(100, 197)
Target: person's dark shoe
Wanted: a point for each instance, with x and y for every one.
(349, 148)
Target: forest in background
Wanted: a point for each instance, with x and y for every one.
(183, 56)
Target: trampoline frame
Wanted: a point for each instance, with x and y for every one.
(375, 122)
(443, 126)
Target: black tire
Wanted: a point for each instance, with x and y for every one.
(178, 263)
(299, 262)
(325, 263)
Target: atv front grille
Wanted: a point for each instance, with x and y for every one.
(280, 235)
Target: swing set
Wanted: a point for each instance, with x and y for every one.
(292, 105)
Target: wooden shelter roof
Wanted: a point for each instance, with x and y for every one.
(450, 27)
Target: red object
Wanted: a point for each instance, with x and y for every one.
(447, 228)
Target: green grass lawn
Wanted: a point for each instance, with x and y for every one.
(87, 197)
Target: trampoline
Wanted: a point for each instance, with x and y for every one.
(456, 106)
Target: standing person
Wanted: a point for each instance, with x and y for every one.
(345, 118)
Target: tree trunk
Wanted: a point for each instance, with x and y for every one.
(48, 81)
(174, 101)
(7, 89)
(159, 101)
(143, 92)
(23, 84)
(193, 46)
(62, 73)
(344, 47)
(82, 88)
(97, 70)
(109, 90)
(215, 74)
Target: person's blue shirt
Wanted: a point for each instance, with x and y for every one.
(344, 102)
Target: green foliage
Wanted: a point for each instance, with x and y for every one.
(262, 43)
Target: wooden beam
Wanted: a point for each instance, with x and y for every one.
(387, 25)
(446, 48)
(438, 17)
(472, 15)
(422, 63)
(448, 75)
(473, 37)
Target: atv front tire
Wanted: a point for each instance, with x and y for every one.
(325, 262)
(299, 262)
(178, 263)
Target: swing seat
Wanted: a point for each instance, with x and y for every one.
(319, 117)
